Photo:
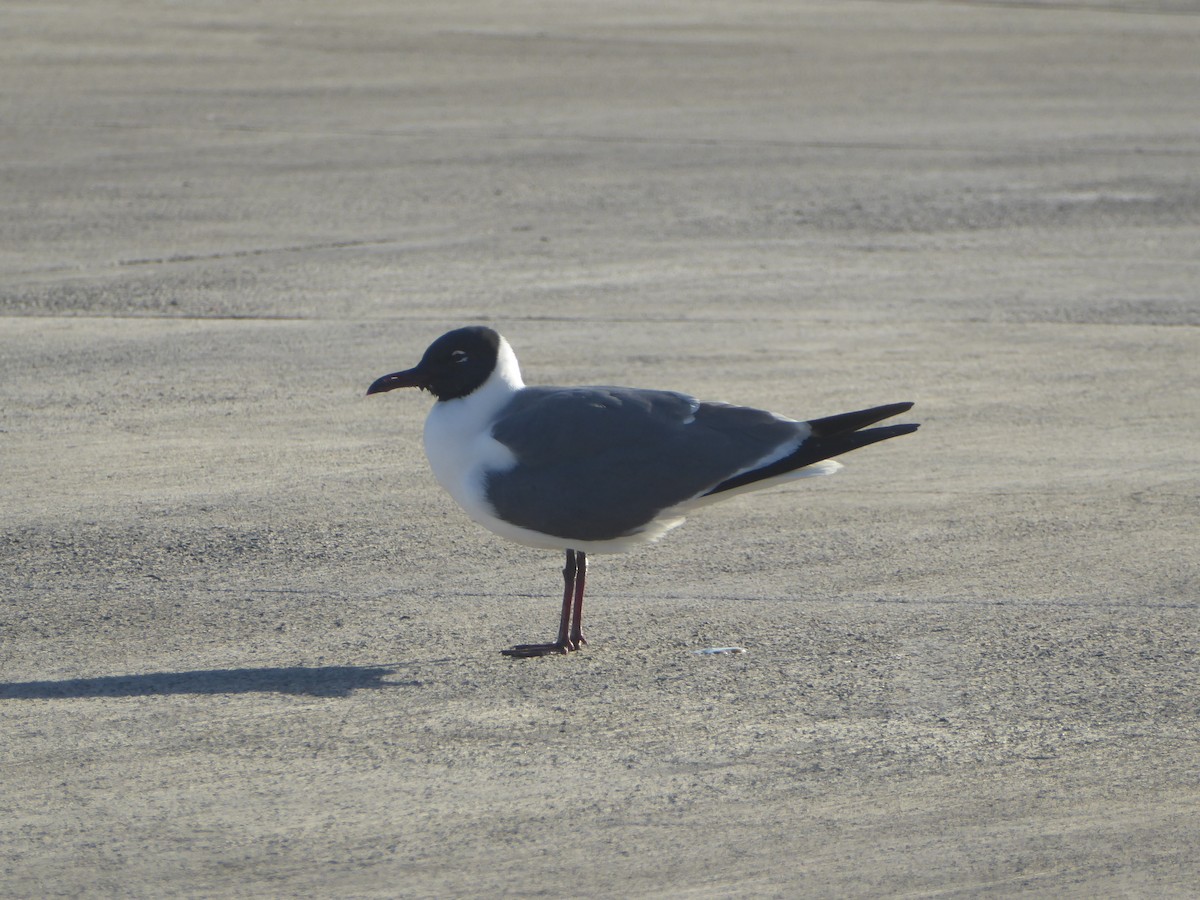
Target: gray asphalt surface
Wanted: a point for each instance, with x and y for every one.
(249, 649)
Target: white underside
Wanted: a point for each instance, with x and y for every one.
(461, 452)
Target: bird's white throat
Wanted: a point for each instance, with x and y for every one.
(458, 439)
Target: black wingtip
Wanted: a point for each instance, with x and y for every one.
(868, 436)
(844, 423)
(832, 436)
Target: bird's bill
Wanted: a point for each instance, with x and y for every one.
(407, 378)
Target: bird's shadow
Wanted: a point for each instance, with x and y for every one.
(308, 681)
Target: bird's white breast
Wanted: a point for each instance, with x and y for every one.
(459, 442)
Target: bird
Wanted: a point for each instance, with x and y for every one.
(593, 470)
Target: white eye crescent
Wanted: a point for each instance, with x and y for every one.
(458, 356)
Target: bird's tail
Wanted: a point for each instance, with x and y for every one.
(831, 436)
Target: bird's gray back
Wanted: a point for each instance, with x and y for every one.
(599, 463)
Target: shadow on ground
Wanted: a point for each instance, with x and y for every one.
(311, 681)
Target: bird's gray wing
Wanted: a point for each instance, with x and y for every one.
(600, 463)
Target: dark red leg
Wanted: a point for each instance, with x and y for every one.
(568, 638)
(570, 576)
(577, 638)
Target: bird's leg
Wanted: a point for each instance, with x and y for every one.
(570, 576)
(577, 639)
(564, 643)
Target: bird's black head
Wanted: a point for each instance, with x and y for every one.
(454, 365)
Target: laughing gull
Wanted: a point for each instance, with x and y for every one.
(601, 469)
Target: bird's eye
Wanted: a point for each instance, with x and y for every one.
(458, 356)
